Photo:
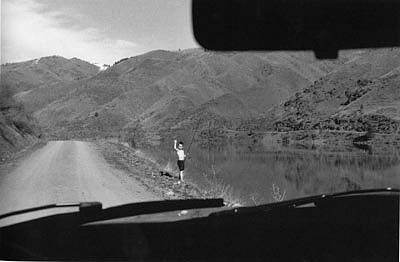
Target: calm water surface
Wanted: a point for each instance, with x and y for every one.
(258, 175)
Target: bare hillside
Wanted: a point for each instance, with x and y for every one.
(159, 89)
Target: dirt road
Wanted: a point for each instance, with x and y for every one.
(67, 171)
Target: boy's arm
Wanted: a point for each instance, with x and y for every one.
(175, 145)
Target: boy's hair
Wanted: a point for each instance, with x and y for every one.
(180, 143)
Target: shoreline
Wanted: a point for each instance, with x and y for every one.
(326, 140)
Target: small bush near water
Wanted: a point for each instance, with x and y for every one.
(216, 188)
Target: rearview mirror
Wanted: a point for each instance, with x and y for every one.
(324, 26)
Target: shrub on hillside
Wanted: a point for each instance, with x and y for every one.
(353, 95)
(131, 141)
(363, 82)
(122, 60)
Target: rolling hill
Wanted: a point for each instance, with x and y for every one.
(160, 89)
(164, 93)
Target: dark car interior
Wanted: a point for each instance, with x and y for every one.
(353, 226)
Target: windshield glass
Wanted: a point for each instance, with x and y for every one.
(117, 103)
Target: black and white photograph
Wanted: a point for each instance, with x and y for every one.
(200, 130)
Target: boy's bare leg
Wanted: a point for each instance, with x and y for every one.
(181, 176)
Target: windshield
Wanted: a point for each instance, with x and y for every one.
(118, 103)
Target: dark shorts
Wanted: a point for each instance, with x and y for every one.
(181, 165)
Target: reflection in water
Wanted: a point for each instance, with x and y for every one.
(259, 176)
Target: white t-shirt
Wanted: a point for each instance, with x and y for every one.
(181, 154)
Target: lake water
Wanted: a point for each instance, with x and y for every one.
(259, 175)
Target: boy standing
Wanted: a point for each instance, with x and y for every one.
(181, 158)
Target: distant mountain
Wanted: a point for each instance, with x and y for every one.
(36, 83)
(31, 74)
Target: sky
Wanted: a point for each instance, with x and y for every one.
(98, 31)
